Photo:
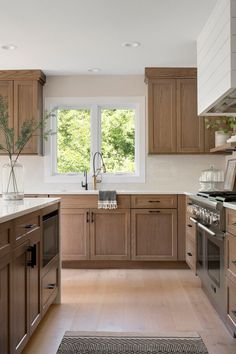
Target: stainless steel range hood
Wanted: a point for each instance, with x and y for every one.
(216, 57)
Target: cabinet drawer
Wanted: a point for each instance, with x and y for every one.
(231, 221)
(49, 284)
(6, 235)
(231, 254)
(25, 225)
(89, 201)
(231, 303)
(191, 254)
(77, 201)
(190, 229)
(154, 201)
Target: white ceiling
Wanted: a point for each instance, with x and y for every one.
(69, 36)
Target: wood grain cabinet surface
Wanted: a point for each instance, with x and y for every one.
(23, 90)
(110, 234)
(21, 279)
(154, 234)
(173, 124)
(5, 303)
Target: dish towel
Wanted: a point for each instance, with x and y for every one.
(107, 200)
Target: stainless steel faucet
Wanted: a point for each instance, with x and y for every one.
(98, 170)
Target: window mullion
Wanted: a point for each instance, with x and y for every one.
(94, 132)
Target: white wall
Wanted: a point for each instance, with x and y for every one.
(163, 172)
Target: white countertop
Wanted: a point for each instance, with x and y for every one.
(95, 192)
(230, 205)
(12, 209)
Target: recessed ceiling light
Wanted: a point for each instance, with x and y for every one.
(94, 70)
(131, 44)
(9, 47)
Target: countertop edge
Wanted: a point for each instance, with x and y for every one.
(42, 203)
(229, 205)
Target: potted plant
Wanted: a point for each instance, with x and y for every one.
(12, 172)
(224, 127)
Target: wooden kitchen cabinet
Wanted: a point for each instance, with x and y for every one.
(5, 303)
(162, 122)
(190, 127)
(94, 234)
(191, 243)
(110, 234)
(173, 124)
(26, 294)
(154, 234)
(75, 234)
(24, 92)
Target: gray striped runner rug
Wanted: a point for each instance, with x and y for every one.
(77, 343)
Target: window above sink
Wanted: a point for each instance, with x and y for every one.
(113, 126)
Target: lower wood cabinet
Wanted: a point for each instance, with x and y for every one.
(191, 243)
(154, 234)
(26, 294)
(5, 306)
(110, 234)
(75, 234)
(21, 277)
(231, 305)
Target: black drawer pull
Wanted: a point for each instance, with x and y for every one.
(233, 223)
(234, 262)
(190, 225)
(189, 254)
(51, 286)
(154, 211)
(30, 226)
(234, 312)
(154, 201)
(92, 217)
(87, 216)
(32, 262)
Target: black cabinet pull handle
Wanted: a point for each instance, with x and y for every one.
(29, 226)
(233, 223)
(189, 254)
(32, 262)
(234, 312)
(234, 263)
(92, 217)
(51, 286)
(87, 216)
(154, 211)
(190, 225)
(154, 201)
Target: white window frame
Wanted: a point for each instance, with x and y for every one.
(137, 103)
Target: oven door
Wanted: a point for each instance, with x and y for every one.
(210, 264)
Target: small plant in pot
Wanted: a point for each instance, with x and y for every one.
(12, 172)
(224, 127)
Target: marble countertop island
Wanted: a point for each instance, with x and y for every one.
(12, 209)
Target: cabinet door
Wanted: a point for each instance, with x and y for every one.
(34, 282)
(190, 127)
(27, 106)
(154, 234)
(74, 234)
(20, 298)
(110, 234)
(6, 90)
(162, 116)
(5, 305)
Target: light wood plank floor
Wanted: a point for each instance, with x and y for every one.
(131, 301)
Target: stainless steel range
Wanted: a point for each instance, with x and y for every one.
(209, 215)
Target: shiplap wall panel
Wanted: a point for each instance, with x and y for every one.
(216, 47)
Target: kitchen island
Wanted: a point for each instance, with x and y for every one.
(29, 267)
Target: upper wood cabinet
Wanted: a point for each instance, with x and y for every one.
(173, 124)
(23, 90)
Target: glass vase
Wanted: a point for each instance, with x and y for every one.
(12, 181)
